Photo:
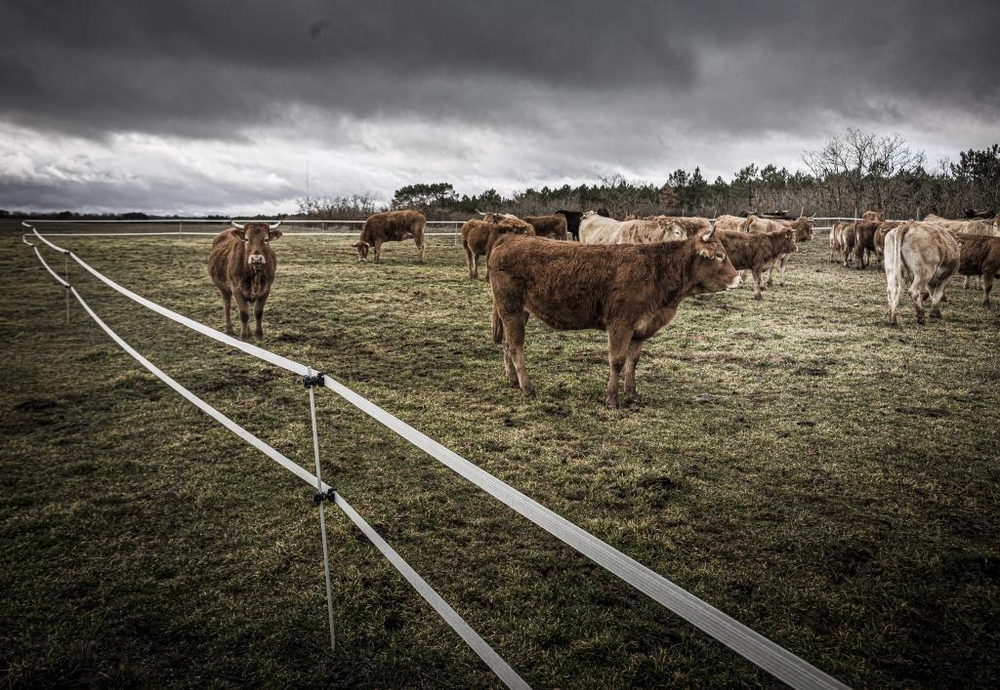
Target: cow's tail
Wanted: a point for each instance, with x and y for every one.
(893, 257)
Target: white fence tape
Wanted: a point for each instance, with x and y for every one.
(761, 651)
(450, 616)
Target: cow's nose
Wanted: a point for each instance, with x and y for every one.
(256, 259)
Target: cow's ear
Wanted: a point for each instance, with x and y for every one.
(705, 253)
(273, 234)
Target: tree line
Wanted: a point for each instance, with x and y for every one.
(852, 173)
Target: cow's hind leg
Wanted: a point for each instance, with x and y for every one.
(618, 351)
(513, 361)
(917, 295)
(632, 361)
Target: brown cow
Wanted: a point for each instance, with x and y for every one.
(478, 238)
(391, 226)
(242, 264)
(864, 240)
(873, 216)
(554, 226)
(930, 253)
(803, 227)
(980, 256)
(629, 291)
(802, 230)
(757, 251)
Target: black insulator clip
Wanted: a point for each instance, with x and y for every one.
(330, 496)
(311, 381)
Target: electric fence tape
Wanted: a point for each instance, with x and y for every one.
(756, 648)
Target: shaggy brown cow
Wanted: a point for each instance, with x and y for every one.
(242, 264)
(873, 216)
(930, 253)
(554, 226)
(629, 291)
(391, 226)
(478, 238)
(803, 227)
(757, 251)
(980, 256)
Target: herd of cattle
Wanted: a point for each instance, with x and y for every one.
(628, 277)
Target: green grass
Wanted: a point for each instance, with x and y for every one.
(836, 491)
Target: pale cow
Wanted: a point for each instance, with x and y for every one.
(931, 254)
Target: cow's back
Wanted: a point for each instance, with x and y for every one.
(596, 229)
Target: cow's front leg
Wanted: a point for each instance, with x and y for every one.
(634, 350)
(227, 303)
(258, 313)
(244, 308)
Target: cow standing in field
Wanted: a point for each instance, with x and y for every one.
(391, 226)
(931, 254)
(801, 231)
(572, 222)
(242, 265)
(980, 256)
(864, 240)
(554, 226)
(478, 238)
(879, 240)
(837, 240)
(757, 251)
(850, 238)
(629, 291)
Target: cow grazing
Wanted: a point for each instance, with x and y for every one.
(554, 226)
(478, 238)
(757, 251)
(572, 222)
(980, 256)
(629, 291)
(391, 226)
(931, 255)
(242, 264)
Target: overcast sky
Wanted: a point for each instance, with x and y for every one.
(219, 106)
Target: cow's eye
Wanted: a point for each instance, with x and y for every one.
(719, 256)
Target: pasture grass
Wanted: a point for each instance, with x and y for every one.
(821, 477)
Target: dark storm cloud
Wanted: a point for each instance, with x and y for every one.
(528, 91)
(197, 68)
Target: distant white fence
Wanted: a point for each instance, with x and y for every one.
(761, 651)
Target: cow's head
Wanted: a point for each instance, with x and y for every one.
(362, 248)
(788, 244)
(712, 271)
(256, 237)
(671, 229)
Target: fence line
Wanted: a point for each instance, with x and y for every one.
(499, 667)
(761, 651)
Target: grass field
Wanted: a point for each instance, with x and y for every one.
(825, 479)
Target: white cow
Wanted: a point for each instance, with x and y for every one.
(930, 253)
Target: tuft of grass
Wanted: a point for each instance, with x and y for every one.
(821, 477)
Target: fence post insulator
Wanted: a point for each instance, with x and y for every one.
(330, 496)
(310, 381)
